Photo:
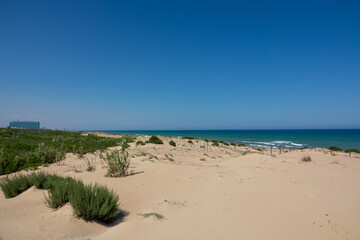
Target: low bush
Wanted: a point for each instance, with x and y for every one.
(172, 143)
(225, 143)
(232, 144)
(215, 143)
(241, 145)
(187, 137)
(140, 143)
(189, 141)
(335, 148)
(155, 140)
(206, 140)
(118, 163)
(93, 202)
(59, 192)
(12, 187)
(89, 202)
(352, 150)
(306, 159)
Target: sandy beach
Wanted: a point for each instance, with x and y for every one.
(203, 192)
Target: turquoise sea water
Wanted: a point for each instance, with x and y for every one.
(344, 138)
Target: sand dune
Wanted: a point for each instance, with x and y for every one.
(204, 192)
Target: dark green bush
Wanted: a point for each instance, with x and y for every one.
(335, 148)
(172, 143)
(215, 143)
(241, 145)
(39, 179)
(140, 143)
(12, 187)
(89, 202)
(206, 140)
(189, 141)
(352, 150)
(225, 143)
(187, 137)
(59, 192)
(93, 202)
(155, 140)
(232, 144)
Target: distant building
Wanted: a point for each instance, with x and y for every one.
(25, 124)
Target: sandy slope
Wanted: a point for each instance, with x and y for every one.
(205, 193)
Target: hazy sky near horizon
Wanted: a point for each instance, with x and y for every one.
(180, 64)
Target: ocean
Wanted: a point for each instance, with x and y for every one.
(343, 138)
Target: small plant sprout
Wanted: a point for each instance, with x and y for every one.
(152, 214)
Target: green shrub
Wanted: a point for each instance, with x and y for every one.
(352, 150)
(118, 163)
(241, 145)
(232, 144)
(172, 143)
(225, 143)
(59, 192)
(93, 202)
(38, 179)
(215, 143)
(187, 137)
(155, 140)
(140, 143)
(24, 148)
(12, 187)
(189, 141)
(89, 202)
(129, 138)
(335, 148)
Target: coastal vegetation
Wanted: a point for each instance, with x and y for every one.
(187, 137)
(140, 143)
(241, 145)
(155, 140)
(22, 148)
(307, 158)
(215, 143)
(352, 150)
(225, 143)
(335, 148)
(89, 202)
(172, 143)
(118, 161)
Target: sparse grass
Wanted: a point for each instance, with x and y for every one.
(172, 143)
(155, 140)
(202, 158)
(118, 163)
(307, 158)
(89, 202)
(152, 214)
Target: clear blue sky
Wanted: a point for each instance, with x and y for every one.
(180, 64)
